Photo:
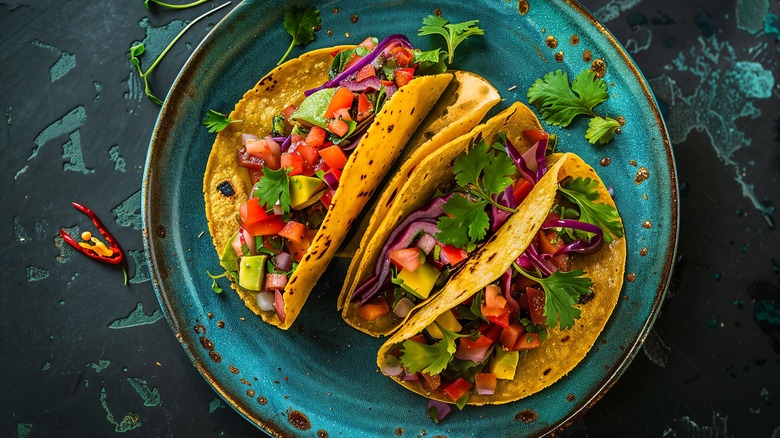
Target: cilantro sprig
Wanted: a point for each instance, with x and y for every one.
(560, 103)
(137, 50)
(300, 24)
(216, 121)
(431, 359)
(562, 291)
(274, 187)
(482, 173)
(453, 33)
(172, 6)
(214, 285)
(582, 191)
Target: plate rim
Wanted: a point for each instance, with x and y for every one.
(266, 424)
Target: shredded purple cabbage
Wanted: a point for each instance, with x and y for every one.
(499, 216)
(395, 40)
(545, 267)
(541, 161)
(506, 285)
(442, 410)
(580, 246)
(371, 83)
(525, 172)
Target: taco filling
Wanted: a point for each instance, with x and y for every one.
(296, 169)
(481, 341)
(422, 251)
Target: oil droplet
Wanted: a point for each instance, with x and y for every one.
(574, 40)
(322, 433)
(641, 175)
(346, 34)
(330, 32)
(221, 324)
(606, 161)
(233, 369)
(206, 343)
(437, 12)
(631, 277)
(215, 356)
(621, 120)
(551, 42)
(317, 28)
(643, 252)
(200, 329)
(647, 224)
(161, 231)
(558, 56)
(544, 30)
(527, 416)
(251, 393)
(644, 196)
(570, 397)
(353, 18)
(210, 315)
(587, 55)
(599, 67)
(298, 420)
(336, 10)
(523, 7)
(399, 431)
(262, 400)
(632, 162)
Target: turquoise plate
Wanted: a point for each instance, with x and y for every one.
(320, 377)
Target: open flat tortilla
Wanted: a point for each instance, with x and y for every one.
(433, 172)
(392, 127)
(562, 350)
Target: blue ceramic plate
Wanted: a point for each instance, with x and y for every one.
(320, 378)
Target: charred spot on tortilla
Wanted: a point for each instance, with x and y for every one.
(428, 135)
(492, 256)
(547, 371)
(412, 112)
(370, 162)
(391, 127)
(585, 298)
(226, 188)
(565, 338)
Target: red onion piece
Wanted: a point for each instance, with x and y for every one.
(484, 390)
(403, 307)
(426, 243)
(248, 240)
(476, 355)
(371, 83)
(237, 244)
(506, 285)
(441, 409)
(279, 305)
(331, 180)
(392, 366)
(283, 261)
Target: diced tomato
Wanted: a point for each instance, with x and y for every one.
(494, 298)
(374, 309)
(527, 341)
(292, 161)
(510, 335)
(403, 76)
(286, 113)
(402, 56)
(521, 190)
(486, 383)
(549, 242)
(386, 83)
(534, 135)
(364, 73)
(316, 137)
(458, 388)
(295, 141)
(338, 127)
(342, 99)
(502, 320)
(270, 246)
(293, 231)
(562, 262)
(255, 175)
(368, 43)
(522, 300)
(365, 108)
(342, 114)
(275, 281)
(419, 338)
(454, 254)
(327, 198)
(407, 258)
(298, 250)
(431, 381)
(309, 155)
(352, 61)
(481, 342)
(334, 156)
(268, 227)
(261, 149)
(251, 211)
(494, 332)
(536, 300)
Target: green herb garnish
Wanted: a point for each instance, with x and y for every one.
(274, 187)
(562, 290)
(217, 121)
(483, 173)
(601, 130)
(300, 24)
(172, 6)
(453, 33)
(431, 359)
(214, 286)
(583, 192)
(137, 50)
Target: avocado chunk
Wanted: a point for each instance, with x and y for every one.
(302, 189)
(420, 281)
(251, 272)
(504, 364)
(228, 259)
(446, 320)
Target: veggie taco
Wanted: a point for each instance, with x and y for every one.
(527, 306)
(453, 202)
(309, 145)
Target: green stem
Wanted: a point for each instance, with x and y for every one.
(170, 45)
(524, 273)
(168, 5)
(490, 201)
(289, 49)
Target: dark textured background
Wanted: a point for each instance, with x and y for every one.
(81, 353)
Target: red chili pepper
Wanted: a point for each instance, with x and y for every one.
(116, 258)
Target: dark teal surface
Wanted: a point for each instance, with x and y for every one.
(321, 367)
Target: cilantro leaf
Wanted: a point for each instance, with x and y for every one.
(431, 359)
(214, 286)
(562, 291)
(583, 192)
(274, 186)
(601, 130)
(217, 121)
(499, 173)
(466, 224)
(559, 104)
(300, 24)
(453, 33)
